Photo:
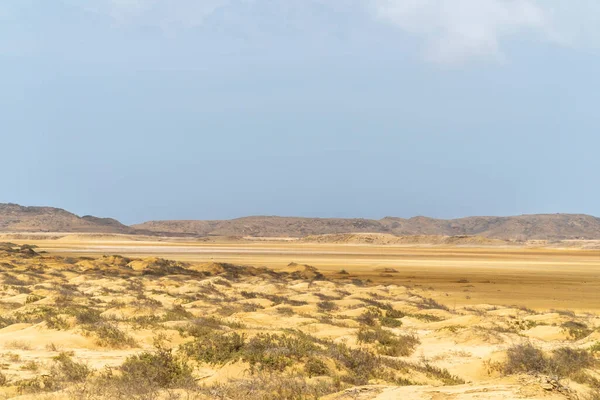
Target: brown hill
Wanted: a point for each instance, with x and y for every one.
(523, 227)
(16, 218)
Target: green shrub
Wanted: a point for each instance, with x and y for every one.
(275, 352)
(315, 367)
(361, 365)
(525, 358)
(160, 368)
(369, 317)
(387, 343)
(69, 370)
(390, 322)
(214, 347)
(109, 334)
(57, 322)
(177, 313)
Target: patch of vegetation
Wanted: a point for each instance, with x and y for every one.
(159, 368)
(273, 387)
(390, 322)
(315, 367)
(577, 330)
(369, 317)
(108, 334)
(177, 313)
(214, 347)
(563, 362)
(326, 305)
(273, 352)
(387, 343)
(68, 370)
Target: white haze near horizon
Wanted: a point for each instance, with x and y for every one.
(213, 109)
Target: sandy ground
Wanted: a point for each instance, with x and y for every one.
(461, 308)
(539, 278)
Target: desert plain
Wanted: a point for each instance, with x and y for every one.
(90, 316)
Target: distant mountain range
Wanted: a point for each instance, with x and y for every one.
(16, 218)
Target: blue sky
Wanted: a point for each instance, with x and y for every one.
(210, 109)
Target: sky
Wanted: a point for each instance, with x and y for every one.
(214, 109)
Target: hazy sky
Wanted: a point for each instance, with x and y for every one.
(181, 109)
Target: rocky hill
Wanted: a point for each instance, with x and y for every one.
(523, 227)
(16, 218)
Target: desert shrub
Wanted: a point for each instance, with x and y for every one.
(431, 304)
(222, 282)
(6, 321)
(145, 321)
(324, 296)
(315, 367)
(387, 343)
(86, 315)
(227, 310)
(595, 347)
(3, 379)
(249, 295)
(285, 311)
(284, 300)
(214, 347)
(577, 330)
(272, 387)
(393, 313)
(566, 361)
(273, 352)
(361, 365)
(390, 322)
(251, 307)
(326, 305)
(525, 358)
(442, 374)
(565, 313)
(369, 317)
(18, 345)
(68, 370)
(159, 368)
(13, 280)
(177, 313)
(377, 304)
(32, 298)
(109, 334)
(30, 366)
(57, 322)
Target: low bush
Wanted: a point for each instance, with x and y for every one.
(563, 362)
(388, 343)
(159, 368)
(214, 347)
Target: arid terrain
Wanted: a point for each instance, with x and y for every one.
(334, 318)
(549, 227)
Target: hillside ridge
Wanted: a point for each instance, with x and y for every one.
(16, 218)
